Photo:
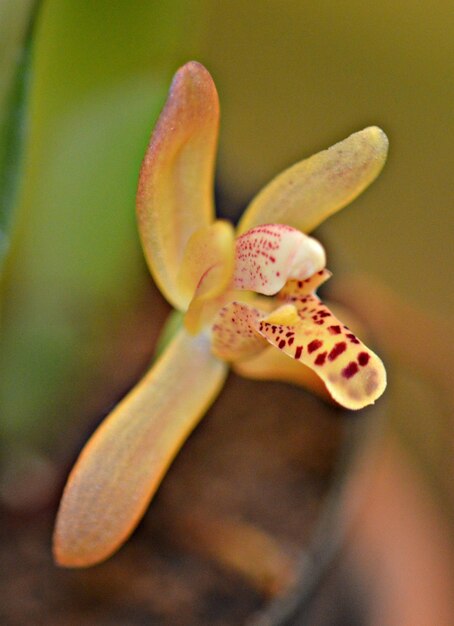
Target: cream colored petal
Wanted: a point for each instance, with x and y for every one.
(211, 252)
(307, 193)
(207, 263)
(308, 332)
(269, 255)
(272, 364)
(234, 334)
(124, 462)
(175, 193)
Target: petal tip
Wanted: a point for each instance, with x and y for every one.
(194, 77)
(377, 139)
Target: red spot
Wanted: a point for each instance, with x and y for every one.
(337, 350)
(351, 369)
(363, 358)
(314, 345)
(281, 343)
(319, 322)
(321, 358)
(352, 338)
(291, 340)
(334, 330)
(298, 351)
(290, 333)
(324, 314)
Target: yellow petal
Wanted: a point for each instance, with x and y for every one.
(272, 364)
(175, 193)
(304, 195)
(267, 256)
(233, 333)
(122, 465)
(207, 263)
(308, 332)
(206, 272)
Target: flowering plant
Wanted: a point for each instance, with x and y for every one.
(248, 300)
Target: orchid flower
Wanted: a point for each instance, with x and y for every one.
(248, 300)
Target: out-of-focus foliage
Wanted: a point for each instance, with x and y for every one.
(74, 275)
(15, 20)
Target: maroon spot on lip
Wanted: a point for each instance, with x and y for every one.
(352, 338)
(321, 358)
(363, 358)
(324, 314)
(337, 350)
(291, 340)
(351, 369)
(298, 351)
(314, 345)
(281, 344)
(335, 329)
(290, 333)
(319, 322)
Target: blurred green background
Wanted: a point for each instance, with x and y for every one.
(78, 313)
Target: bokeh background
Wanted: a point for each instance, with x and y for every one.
(81, 85)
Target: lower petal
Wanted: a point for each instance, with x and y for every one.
(309, 333)
(272, 364)
(123, 463)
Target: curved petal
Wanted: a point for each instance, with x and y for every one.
(272, 364)
(233, 333)
(269, 255)
(307, 193)
(175, 192)
(124, 462)
(308, 332)
(207, 264)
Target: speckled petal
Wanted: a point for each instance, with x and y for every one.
(124, 462)
(294, 290)
(307, 193)
(175, 192)
(234, 334)
(269, 255)
(305, 330)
